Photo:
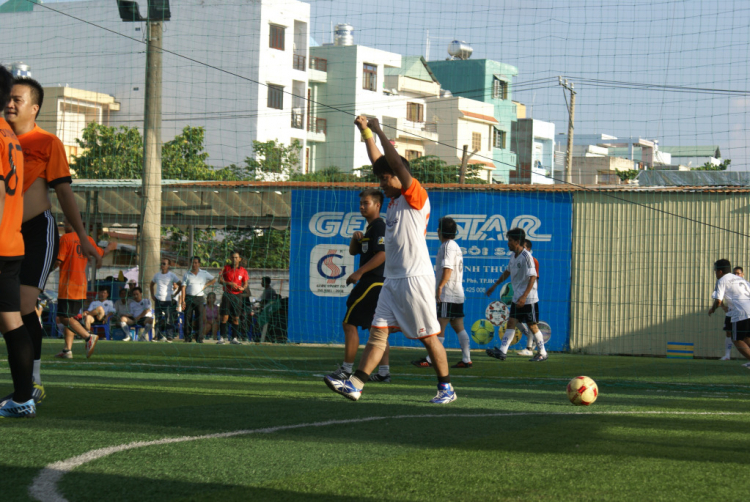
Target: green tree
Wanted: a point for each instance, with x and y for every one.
(274, 157)
(330, 174)
(433, 169)
(711, 167)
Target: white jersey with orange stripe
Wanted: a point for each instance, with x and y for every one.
(406, 253)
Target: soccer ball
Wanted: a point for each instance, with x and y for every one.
(482, 331)
(496, 313)
(582, 391)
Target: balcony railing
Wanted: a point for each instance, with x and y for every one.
(317, 126)
(319, 64)
(299, 62)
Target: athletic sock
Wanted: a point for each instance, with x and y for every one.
(507, 338)
(21, 362)
(463, 341)
(384, 370)
(359, 378)
(539, 337)
(348, 367)
(37, 372)
(729, 347)
(444, 380)
(36, 332)
(428, 359)
(125, 329)
(530, 342)
(223, 330)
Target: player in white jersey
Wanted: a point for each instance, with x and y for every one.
(735, 292)
(739, 272)
(529, 350)
(522, 273)
(406, 302)
(449, 271)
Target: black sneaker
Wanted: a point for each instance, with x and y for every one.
(496, 353)
(538, 358)
(377, 377)
(340, 374)
(422, 363)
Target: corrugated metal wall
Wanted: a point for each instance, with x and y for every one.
(642, 277)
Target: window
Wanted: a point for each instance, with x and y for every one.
(276, 39)
(415, 112)
(499, 89)
(498, 141)
(412, 154)
(275, 96)
(369, 77)
(476, 141)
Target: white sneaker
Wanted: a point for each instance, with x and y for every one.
(746, 365)
(524, 352)
(726, 357)
(127, 338)
(235, 341)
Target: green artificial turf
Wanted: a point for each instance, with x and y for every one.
(657, 431)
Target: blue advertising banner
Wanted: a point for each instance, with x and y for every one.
(323, 222)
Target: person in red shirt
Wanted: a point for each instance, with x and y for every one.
(234, 278)
(45, 166)
(20, 404)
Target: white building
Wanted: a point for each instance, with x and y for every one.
(245, 80)
(533, 142)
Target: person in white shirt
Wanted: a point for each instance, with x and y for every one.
(140, 315)
(734, 291)
(194, 283)
(522, 273)
(449, 271)
(739, 272)
(529, 350)
(99, 310)
(164, 287)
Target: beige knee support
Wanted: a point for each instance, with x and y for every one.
(378, 338)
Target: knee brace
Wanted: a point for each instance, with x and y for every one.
(378, 338)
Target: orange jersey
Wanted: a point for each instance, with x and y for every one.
(11, 161)
(73, 267)
(44, 157)
(536, 266)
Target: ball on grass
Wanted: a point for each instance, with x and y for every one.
(582, 391)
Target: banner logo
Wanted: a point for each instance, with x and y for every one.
(330, 265)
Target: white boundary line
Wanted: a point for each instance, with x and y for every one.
(44, 487)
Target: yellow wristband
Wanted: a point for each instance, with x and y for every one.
(366, 134)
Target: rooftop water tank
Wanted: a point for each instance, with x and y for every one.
(343, 34)
(20, 69)
(459, 49)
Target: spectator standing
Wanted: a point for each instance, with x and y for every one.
(164, 287)
(194, 283)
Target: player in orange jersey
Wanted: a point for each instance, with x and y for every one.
(20, 404)
(45, 167)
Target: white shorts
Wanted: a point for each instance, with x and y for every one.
(408, 305)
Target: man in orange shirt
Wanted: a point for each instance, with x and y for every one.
(45, 167)
(17, 340)
(72, 290)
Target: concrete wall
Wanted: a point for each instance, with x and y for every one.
(586, 169)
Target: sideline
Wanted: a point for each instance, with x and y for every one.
(44, 487)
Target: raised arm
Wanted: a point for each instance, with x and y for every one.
(391, 155)
(367, 134)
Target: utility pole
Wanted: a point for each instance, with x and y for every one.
(150, 255)
(571, 118)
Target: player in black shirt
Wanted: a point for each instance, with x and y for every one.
(368, 279)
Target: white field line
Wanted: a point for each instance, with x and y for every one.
(44, 487)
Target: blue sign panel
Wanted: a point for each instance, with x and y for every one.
(323, 222)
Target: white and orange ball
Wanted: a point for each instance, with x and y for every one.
(582, 391)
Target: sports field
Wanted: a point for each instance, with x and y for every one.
(660, 430)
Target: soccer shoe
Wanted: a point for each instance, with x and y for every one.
(538, 358)
(12, 409)
(127, 338)
(377, 377)
(461, 364)
(344, 387)
(90, 344)
(38, 393)
(235, 341)
(422, 363)
(746, 365)
(726, 357)
(525, 352)
(65, 354)
(220, 341)
(340, 374)
(496, 353)
(444, 395)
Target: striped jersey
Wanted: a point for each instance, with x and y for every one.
(522, 268)
(406, 253)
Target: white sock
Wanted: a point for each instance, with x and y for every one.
(729, 346)
(428, 359)
(507, 338)
(463, 341)
(539, 337)
(37, 371)
(347, 366)
(125, 329)
(384, 370)
(357, 382)
(530, 342)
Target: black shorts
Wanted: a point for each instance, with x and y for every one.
(362, 301)
(41, 242)
(68, 308)
(741, 330)
(527, 314)
(231, 305)
(10, 286)
(727, 323)
(447, 310)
